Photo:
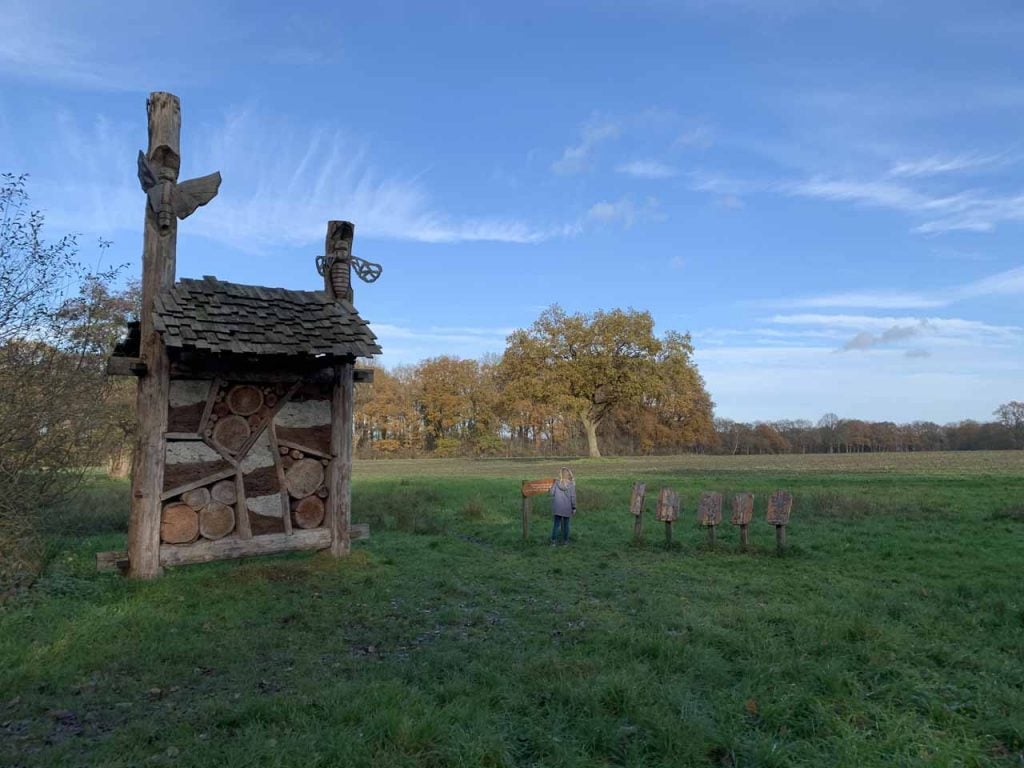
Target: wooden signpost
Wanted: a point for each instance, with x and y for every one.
(532, 488)
(709, 513)
(668, 510)
(780, 504)
(742, 514)
(636, 508)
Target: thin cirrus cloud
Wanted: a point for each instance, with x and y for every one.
(305, 177)
(938, 164)
(1007, 283)
(647, 169)
(970, 210)
(576, 158)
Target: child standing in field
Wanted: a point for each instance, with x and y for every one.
(563, 504)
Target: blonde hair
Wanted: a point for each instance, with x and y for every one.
(565, 477)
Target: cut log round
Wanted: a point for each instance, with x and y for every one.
(245, 400)
(270, 399)
(255, 420)
(197, 498)
(297, 454)
(322, 492)
(220, 409)
(179, 524)
(283, 450)
(216, 520)
(224, 492)
(304, 477)
(232, 432)
(308, 512)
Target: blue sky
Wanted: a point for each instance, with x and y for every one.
(828, 195)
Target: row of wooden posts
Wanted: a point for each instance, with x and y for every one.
(709, 511)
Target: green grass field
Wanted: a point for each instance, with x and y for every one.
(890, 634)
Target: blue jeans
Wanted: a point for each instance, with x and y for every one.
(563, 523)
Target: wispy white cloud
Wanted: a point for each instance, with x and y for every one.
(33, 46)
(647, 169)
(405, 345)
(970, 210)
(577, 157)
(896, 333)
(304, 177)
(624, 211)
(938, 164)
(698, 137)
(937, 326)
(1007, 283)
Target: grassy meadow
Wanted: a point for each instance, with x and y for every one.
(891, 633)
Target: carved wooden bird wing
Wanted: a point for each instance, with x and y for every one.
(147, 176)
(193, 193)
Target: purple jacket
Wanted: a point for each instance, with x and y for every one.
(563, 500)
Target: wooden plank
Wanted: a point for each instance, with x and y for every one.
(125, 366)
(232, 547)
(363, 376)
(709, 510)
(243, 527)
(636, 500)
(536, 487)
(286, 511)
(182, 436)
(668, 505)
(359, 531)
(211, 400)
(742, 509)
(339, 502)
(305, 449)
(112, 561)
(780, 504)
(209, 479)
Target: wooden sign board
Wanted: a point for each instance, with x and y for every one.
(668, 506)
(742, 508)
(780, 504)
(536, 487)
(709, 511)
(636, 501)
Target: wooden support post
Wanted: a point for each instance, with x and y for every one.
(638, 528)
(780, 538)
(339, 500)
(744, 540)
(711, 535)
(159, 253)
(668, 532)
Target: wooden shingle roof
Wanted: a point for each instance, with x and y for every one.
(214, 316)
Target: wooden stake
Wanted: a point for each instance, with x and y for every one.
(638, 528)
(668, 532)
(780, 538)
(744, 542)
(711, 535)
(339, 502)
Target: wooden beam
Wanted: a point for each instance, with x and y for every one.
(112, 561)
(363, 376)
(305, 449)
(233, 547)
(197, 483)
(286, 507)
(182, 436)
(339, 500)
(125, 366)
(159, 254)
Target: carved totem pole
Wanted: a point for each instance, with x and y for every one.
(166, 201)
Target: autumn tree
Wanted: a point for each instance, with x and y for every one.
(588, 365)
(1011, 416)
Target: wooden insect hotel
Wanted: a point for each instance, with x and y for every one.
(245, 393)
